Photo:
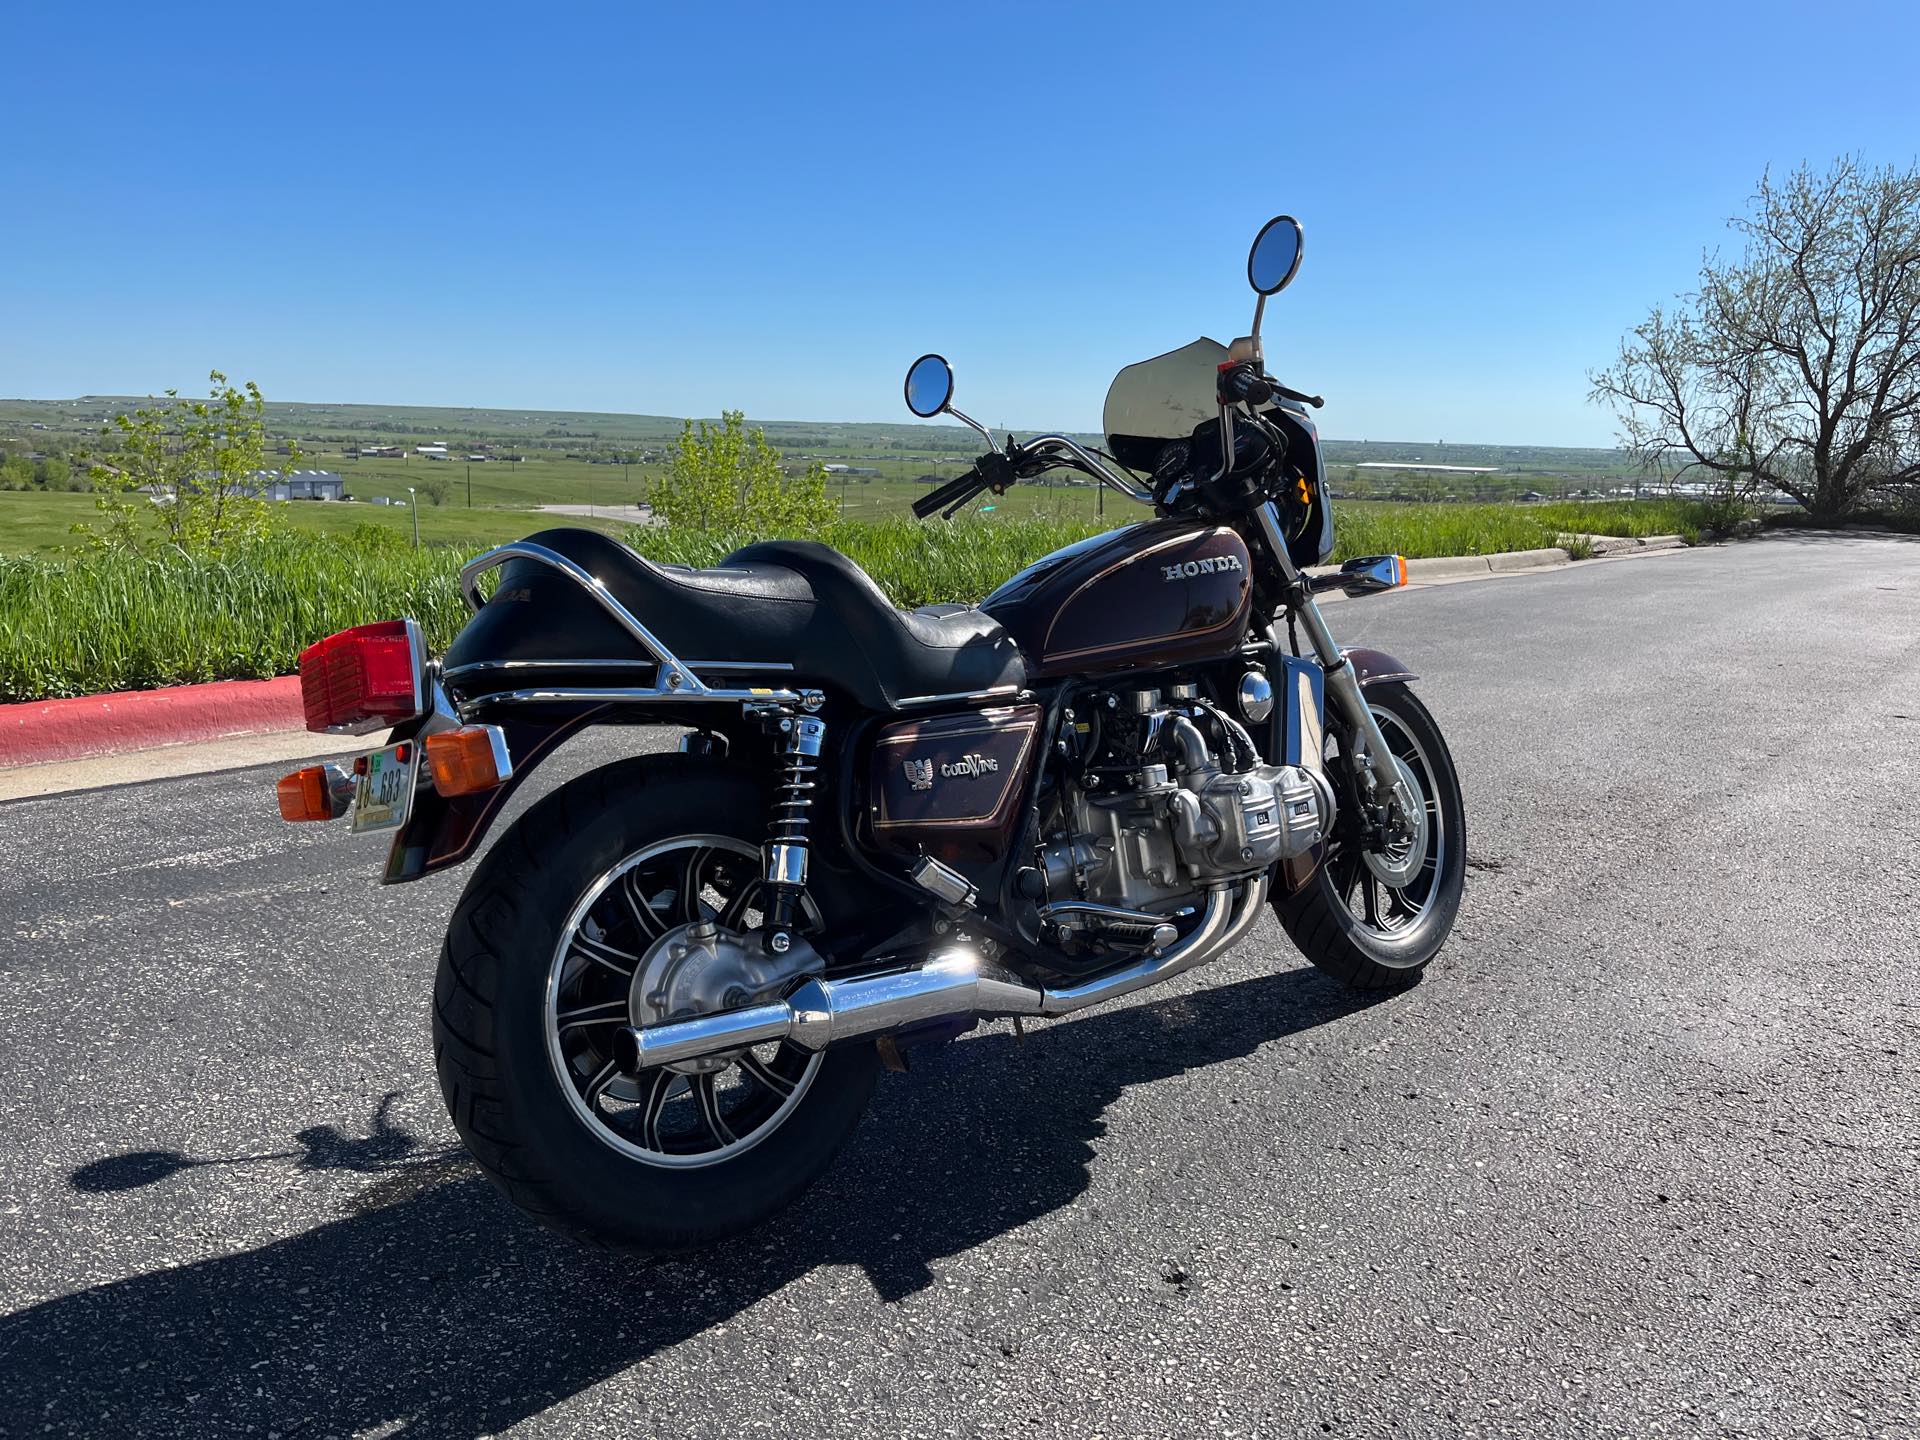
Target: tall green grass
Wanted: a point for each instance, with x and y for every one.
(97, 621)
(92, 621)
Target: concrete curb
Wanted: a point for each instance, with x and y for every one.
(39, 731)
(1526, 560)
(1628, 544)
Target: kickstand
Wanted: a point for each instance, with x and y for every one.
(1019, 1030)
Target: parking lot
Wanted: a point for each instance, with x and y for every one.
(1637, 1157)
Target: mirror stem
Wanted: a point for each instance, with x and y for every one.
(964, 419)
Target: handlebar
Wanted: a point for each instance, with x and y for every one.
(954, 492)
(998, 470)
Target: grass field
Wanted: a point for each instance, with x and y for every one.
(79, 621)
(38, 521)
(42, 521)
(91, 621)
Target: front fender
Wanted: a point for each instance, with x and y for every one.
(1376, 667)
(441, 832)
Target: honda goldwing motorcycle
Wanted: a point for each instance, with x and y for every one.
(668, 987)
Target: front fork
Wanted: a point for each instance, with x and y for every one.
(1378, 772)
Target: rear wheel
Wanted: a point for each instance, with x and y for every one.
(1374, 915)
(624, 897)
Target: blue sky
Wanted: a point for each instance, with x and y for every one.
(675, 209)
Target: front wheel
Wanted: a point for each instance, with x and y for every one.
(623, 896)
(1374, 916)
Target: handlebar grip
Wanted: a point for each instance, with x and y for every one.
(1243, 382)
(935, 501)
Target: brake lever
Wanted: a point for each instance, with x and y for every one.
(962, 503)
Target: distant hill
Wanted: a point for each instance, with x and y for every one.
(577, 431)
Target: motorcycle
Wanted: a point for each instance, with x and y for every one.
(668, 987)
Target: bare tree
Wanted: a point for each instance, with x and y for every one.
(1796, 364)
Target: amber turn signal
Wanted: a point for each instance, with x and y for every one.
(305, 795)
(467, 760)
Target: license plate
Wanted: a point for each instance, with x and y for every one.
(384, 793)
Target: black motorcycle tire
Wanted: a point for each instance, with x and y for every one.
(1322, 922)
(490, 1021)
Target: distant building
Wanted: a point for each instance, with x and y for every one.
(288, 485)
(302, 485)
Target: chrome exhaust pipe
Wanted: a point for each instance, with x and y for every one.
(958, 982)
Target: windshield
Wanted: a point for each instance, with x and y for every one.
(1162, 400)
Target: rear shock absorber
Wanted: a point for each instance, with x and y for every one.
(785, 853)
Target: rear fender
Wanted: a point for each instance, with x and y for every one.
(441, 832)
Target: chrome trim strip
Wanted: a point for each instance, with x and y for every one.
(634, 695)
(717, 667)
(960, 697)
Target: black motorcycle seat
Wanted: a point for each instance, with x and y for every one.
(780, 602)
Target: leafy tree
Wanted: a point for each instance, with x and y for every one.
(1797, 363)
(435, 487)
(54, 472)
(16, 472)
(727, 477)
(202, 462)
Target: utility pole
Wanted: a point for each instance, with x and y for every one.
(469, 484)
(413, 499)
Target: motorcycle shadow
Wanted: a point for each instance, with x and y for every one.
(435, 1308)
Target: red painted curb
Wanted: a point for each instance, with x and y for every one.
(38, 731)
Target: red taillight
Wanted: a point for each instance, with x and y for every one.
(361, 679)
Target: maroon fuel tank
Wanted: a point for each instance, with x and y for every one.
(1157, 593)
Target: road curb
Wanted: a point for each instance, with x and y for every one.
(1527, 559)
(1446, 567)
(36, 732)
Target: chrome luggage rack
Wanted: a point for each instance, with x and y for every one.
(674, 679)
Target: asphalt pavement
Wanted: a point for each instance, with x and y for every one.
(1637, 1158)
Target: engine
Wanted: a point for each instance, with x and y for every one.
(1157, 798)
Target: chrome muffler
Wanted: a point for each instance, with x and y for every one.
(954, 983)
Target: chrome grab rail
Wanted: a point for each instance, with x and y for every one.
(675, 679)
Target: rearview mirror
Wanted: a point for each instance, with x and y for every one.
(929, 385)
(1275, 256)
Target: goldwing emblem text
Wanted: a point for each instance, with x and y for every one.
(920, 772)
